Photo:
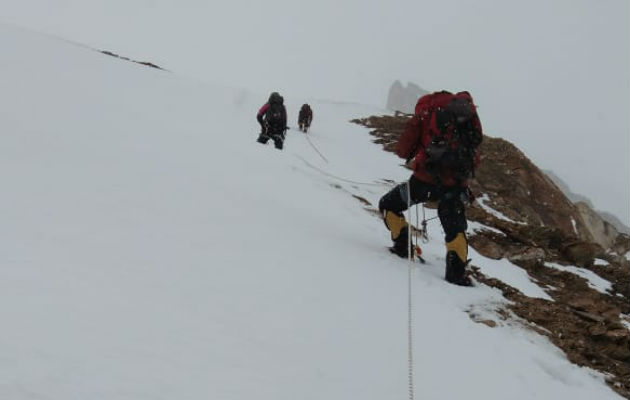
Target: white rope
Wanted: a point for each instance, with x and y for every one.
(417, 225)
(409, 249)
(409, 286)
(313, 146)
(409, 302)
(339, 178)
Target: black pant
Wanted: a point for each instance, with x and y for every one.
(278, 139)
(451, 210)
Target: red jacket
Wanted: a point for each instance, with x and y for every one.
(421, 128)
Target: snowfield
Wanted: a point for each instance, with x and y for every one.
(151, 249)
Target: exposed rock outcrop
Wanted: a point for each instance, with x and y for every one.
(403, 98)
(602, 232)
(145, 63)
(587, 206)
(519, 190)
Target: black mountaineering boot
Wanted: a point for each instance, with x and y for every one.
(456, 270)
(263, 138)
(397, 226)
(401, 244)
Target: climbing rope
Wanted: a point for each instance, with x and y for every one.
(409, 303)
(417, 225)
(313, 146)
(337, 177)
(424, 233)
(410, 365)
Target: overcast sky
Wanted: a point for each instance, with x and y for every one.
(552, 76)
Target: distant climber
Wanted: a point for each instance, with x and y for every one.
(272, 118)
(441, 145)
(305, 117)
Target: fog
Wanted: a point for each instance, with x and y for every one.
(551, 76)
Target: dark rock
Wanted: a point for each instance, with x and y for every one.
(527, 254)
(487, 248)
(597, 330)
(582, 304)
(588, 316)
(617, 334)
(488, 322)
(582, 254)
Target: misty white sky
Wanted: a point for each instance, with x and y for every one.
(552, 76)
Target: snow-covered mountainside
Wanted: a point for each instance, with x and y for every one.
(152, 249)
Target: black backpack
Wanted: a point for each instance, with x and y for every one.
(454, 149)
(274, 117)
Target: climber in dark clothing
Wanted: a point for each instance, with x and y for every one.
(272, 118)
(305, 118)
(442, 139)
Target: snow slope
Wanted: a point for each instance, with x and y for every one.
(151, 249)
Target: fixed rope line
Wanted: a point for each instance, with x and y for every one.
(329, 174)
(417, 224)
(313, 146)
(409, 280)
(425, 233)
(409, 304)
(318, 152)
(337, 177)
